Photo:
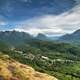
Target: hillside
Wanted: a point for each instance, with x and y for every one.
(71, 38)
(61, 60)
(13, 70)
(14, 37)
(41, 37)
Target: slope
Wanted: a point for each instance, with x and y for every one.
(13, 70)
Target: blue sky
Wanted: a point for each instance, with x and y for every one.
(50, 19)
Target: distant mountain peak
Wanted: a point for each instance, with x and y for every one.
(15, 37)
(77, 31)
(74, 37)
(41, 36)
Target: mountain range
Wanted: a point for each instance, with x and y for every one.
(18, 38)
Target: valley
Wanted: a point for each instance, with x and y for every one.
(58, 59)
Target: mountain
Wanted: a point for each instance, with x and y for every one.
(41, 36)
(23, 9)
(14, 37)
(17, 38)
(13, 70)
(74, 37)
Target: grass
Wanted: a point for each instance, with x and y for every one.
(13, 70)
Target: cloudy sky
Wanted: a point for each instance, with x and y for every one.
(50, 24)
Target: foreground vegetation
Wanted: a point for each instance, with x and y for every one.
(61, 60)
(13, 70)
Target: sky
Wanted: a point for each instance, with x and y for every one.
(38, 20)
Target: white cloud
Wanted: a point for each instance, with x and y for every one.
(49, 24)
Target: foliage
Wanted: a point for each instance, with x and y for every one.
(61, 60)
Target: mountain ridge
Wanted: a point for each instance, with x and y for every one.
(14, 37)
(74, 37)
(17, 37)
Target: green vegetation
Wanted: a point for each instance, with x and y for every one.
(61, 60)
(13, 70)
